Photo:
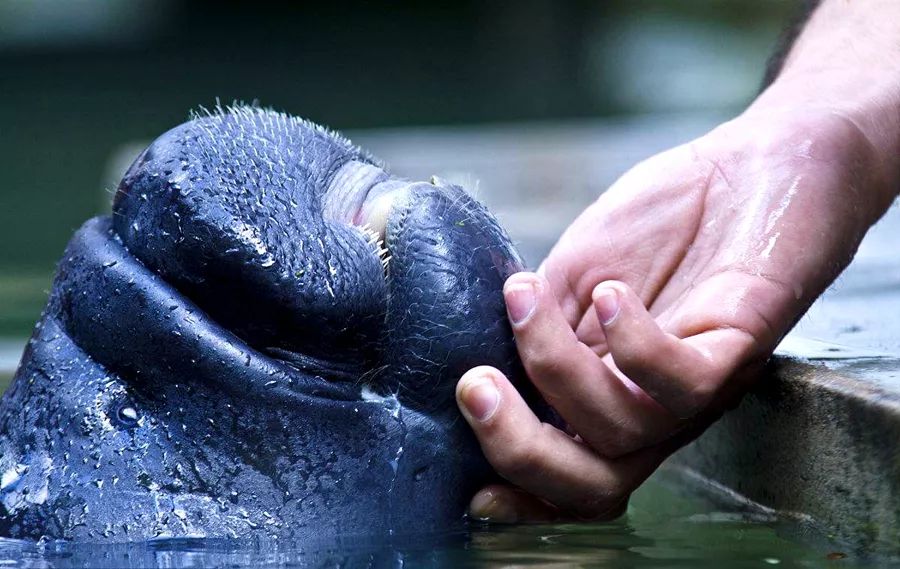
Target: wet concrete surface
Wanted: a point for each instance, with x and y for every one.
(862, 309)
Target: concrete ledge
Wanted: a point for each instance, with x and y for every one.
(812, 440)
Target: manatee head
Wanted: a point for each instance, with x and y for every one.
(263, 338)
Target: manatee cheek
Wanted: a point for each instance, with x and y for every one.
(237, 227)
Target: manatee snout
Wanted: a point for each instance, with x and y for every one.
(263, 338)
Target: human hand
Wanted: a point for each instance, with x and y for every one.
(662, 300)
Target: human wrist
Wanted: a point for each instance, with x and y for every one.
(846, 65)
(861, 127)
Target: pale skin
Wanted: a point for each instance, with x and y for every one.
(661, 302)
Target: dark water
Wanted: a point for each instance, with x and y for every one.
(666, 526)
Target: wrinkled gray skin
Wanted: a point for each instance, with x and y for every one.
(232, 354)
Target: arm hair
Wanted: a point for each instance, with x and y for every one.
(787, 39)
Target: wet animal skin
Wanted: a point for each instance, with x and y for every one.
(263, 339)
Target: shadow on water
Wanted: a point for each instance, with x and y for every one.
(666, 526)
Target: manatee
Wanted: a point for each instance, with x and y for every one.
(262, 339)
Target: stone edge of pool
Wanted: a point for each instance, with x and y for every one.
(814, 439)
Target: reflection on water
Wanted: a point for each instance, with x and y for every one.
(665, 527)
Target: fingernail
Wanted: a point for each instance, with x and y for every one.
(521, 299)
(480, 397)
(488, 506)
(606, 303)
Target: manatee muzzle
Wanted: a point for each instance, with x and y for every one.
(263, 339)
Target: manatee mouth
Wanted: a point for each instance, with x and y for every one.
(363, 195)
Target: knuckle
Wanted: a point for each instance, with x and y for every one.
(614, 448)
(701, 396)
(604, 508)
(619, 439)
(516, 457)
(632, 357)
(542, 362)
(521, 456)
(624, 443)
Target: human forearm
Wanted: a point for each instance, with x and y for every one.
(846, 63)
(840, 36)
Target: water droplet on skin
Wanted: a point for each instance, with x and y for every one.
(395, 462)
(11, 478)
(129, 414)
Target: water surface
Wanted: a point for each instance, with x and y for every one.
(667, 525)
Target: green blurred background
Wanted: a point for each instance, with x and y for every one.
(81, 80)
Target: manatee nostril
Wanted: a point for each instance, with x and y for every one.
(235, 211)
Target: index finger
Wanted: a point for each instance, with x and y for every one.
(543, 460)
(684, 375)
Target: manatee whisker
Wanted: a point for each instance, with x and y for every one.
(371, 374)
